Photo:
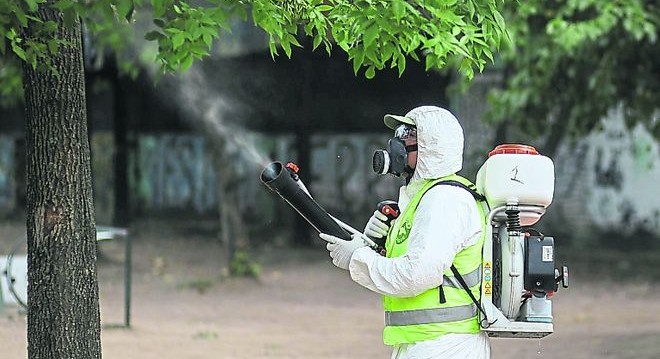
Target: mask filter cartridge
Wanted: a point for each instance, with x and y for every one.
(393, 160)
(381, 162)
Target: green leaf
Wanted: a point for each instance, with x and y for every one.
(63, 4)
(358, 59)
(370, 73)
(286, 46)
(125, 9)
(292, 39)
(20, 15)
(273, 48)
(159, 22)
(328, 47)
(178, 40)
(50, 26)
(187, 62)
(159, 7)
(398, 9)
(32, 5)
(19, 52)
(499, 20)
(52, 46)
(153, 35)
(372, 56)
(430, 61)
(370, 34)
(317, 41)
(33, 61)
(401, 63)
(207, 38)
(323, 8)
(356, 66)
(35, 19)
(489, 54)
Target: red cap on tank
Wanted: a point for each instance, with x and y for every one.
(512, 148)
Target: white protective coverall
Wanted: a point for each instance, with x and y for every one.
(446, 221)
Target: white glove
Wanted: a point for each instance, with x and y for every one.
(376, 227)
(340, 250)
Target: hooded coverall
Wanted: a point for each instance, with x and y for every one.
(446, 221)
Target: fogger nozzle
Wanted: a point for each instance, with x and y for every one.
(284, 181)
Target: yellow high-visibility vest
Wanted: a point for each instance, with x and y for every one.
(424, 317)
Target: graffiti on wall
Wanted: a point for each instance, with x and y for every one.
(607, 182)
(176, 171)
(625, 174)
(173, 172)
(343, 179)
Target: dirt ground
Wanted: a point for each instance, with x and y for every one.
(301, 306)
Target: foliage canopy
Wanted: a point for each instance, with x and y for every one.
(573, 61)
(376, 34)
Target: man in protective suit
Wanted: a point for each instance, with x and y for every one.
(436, 239)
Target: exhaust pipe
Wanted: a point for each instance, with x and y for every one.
(284, 181)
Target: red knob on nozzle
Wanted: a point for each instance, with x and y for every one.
(292, 166)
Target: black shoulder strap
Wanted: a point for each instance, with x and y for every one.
(481, 198)
(473, 191)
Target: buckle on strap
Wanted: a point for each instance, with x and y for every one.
(429, 316)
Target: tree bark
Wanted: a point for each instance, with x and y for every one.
(63, 307)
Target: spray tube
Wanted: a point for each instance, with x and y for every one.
(284, 181)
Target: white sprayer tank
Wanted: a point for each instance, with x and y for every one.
(515, 173)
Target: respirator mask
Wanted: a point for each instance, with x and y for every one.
(394, 160)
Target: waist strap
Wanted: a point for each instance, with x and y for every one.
(428, 316)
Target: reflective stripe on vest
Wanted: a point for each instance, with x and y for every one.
(426, 316)
(471, 279)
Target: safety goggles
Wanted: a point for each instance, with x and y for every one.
(404, 131)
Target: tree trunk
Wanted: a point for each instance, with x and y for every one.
(63, 308)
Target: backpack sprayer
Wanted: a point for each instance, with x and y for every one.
(518, 272)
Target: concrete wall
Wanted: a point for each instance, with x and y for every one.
(606, 182)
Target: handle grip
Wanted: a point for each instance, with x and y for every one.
(390, 209)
